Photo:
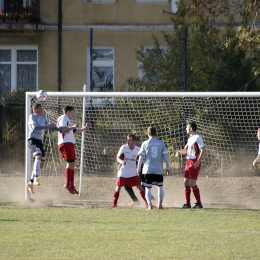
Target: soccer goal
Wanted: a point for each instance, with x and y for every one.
(228, 123)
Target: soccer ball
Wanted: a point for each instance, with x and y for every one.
(41, 95)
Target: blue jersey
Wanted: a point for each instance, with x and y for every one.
(152, 154)
(37, 122)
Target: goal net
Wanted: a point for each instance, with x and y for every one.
(228, 123)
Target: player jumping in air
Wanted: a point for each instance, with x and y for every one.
(194, 150)
(37, 123)
(66, 142)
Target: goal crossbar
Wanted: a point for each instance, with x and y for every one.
(149, 94)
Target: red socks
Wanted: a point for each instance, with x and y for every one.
(116, 196)
(196, 193)
(66, 178)
(69, 185)
(69, 176)
(187, 192)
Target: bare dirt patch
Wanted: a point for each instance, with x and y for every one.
(225, 192)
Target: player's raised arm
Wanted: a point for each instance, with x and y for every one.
(87, 126)
(69, 128)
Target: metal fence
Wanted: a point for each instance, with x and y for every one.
(12, 155)
(187, 66)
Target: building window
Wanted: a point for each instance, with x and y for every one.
(18, 68)
(102, 69)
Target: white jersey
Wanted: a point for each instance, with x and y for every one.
(152, 153)
(68, 137)
(195, 143)
(128, 155)
(259, 149)
(37, 121)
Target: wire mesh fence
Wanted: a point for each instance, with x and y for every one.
(120, 60)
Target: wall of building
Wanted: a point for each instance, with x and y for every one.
(121, 12)
(123, 26)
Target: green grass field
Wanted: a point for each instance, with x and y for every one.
(127, 233)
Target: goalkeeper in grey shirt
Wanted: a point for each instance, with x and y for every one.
(152, 154)
(37, 123)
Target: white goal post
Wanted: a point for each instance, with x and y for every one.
(228, 122)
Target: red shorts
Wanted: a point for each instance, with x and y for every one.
(67, 151)
(131, 182)
(190, 172)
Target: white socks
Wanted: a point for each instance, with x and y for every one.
(160, 195)
(36, 168)
(148, 196)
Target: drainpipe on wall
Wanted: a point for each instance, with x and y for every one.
(91, 58)
(59, 43)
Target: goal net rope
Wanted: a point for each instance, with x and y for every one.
(228, 123)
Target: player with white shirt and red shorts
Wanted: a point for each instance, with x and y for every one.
(66, 142)
(127, 173)
(194, 150)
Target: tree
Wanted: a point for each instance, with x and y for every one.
(213, 53)
(215, 11)
(234, 71)
(239, 61)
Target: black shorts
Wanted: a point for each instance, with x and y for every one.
(152, 179)
(36, 147)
